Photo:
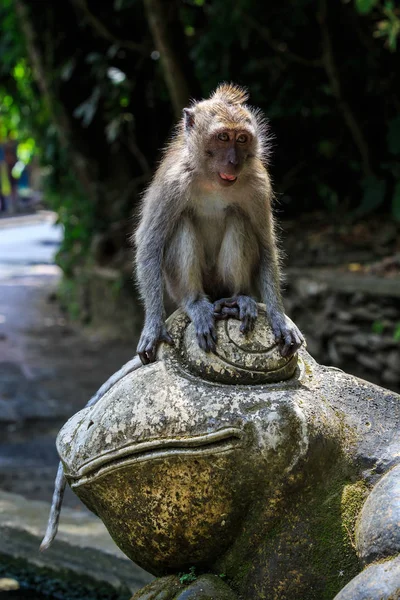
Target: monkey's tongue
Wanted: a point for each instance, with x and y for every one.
(227, 177)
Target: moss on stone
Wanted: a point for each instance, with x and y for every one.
(308, 552)
(353, 498)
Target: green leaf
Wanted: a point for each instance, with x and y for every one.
(365, 6)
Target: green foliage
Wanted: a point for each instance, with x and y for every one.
(365, 6)
(388, 25)
(378, 327)
(396, 334)
(189, 577)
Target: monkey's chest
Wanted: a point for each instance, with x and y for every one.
(211, 215)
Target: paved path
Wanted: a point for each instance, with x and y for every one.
(48, 368)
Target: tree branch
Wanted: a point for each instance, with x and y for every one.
(332, 72)
(280, 47)
(173, 72)
(56, 111)
(103, 31)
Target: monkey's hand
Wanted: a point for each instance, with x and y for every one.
(286, 334)
(243, 308)
(154, 332)
(201, 313)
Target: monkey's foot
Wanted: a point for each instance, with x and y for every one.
(152, 335)
(287, 334)
(201, 313)
(243, 308)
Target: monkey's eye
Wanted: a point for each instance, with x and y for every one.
(242, 138)
(224, 137)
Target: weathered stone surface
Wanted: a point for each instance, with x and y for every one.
(338, 316)
(378, 532)
(205, 587)
(164, 588)
(263, 482)
(238, 358)
(377, 582)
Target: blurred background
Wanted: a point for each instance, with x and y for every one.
(89, 92)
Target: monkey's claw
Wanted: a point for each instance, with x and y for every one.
(201, 313)
(152, 336)
(207, 338)
(243, 308)
(287, 334)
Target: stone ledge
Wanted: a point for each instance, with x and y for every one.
(83, 548)
(347, 282)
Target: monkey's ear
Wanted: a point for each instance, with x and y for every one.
(188, 116)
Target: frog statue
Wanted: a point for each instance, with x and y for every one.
(242, 474)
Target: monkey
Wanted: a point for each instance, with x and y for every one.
(206, 231)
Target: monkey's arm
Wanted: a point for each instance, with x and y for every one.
(286, 332)
(159, 216)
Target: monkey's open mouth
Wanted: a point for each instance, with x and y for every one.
(227, 178)
(212, 443)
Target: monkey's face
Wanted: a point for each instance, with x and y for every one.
(226, 153)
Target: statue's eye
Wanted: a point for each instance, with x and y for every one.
(242, 139)
(224, 137)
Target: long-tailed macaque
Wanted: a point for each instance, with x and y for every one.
(207, 228)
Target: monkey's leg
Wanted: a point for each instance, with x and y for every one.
(287, 334)
(236, 260)
(201, 313)
(184, 267)
(239, 307)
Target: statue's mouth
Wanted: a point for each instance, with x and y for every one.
(218, 442)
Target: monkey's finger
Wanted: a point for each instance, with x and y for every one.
(252, 323)
(231, 312)
(211, 345)
(248, 323)
(151, 352)
(143, 358)
(244, 327)
(219, 304)
(220, 316)
(165, 337)
(201, 341)
(291, 345)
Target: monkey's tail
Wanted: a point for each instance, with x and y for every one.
(55, 510)
(60, 483)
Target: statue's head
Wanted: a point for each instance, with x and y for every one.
(176, 454)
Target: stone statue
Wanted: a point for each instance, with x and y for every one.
(242, 474)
